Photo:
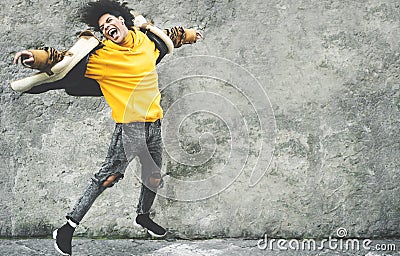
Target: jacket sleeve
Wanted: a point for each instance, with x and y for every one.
(181, 36)
(45, 58)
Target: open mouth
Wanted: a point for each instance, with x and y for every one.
(112, 33)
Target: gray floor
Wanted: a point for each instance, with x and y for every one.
(124, 247)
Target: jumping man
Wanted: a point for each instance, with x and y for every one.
(124, 68)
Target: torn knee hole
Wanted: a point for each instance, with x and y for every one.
(112, 179)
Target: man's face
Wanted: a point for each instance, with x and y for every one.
(113, 28)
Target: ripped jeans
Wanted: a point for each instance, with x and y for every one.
(142, 139)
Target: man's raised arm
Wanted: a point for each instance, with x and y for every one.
(42, 58)
(181, 36)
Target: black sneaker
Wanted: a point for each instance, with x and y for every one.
(63, 237)
(144, 221)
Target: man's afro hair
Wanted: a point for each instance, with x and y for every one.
(91, 13)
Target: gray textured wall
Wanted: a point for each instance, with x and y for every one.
(317, 86)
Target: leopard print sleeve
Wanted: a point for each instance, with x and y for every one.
(54, 55)
(46, 57)
(181, 36)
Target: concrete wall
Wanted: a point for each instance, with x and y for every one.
(302, 94)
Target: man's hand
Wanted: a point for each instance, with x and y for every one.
(26, 58)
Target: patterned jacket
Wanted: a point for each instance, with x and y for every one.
(75, 83)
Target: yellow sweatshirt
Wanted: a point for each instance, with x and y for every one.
(128, 78)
